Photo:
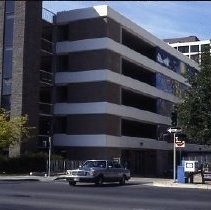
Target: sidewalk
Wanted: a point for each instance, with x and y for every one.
(159, 182)
(171, 183)
(27, 178)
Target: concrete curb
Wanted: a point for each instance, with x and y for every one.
(15, 180)
(158, 182)
(181, 185)
(27, 178)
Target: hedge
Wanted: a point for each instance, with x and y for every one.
(24, 164)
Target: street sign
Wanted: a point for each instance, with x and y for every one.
(174, 130)
(179, 144)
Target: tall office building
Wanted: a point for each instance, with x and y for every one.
(25, 67)
(190, 46)
(97, 83)
(19, 59)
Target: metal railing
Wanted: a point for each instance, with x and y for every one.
(60, 166)
(46, 45)
(46, 76)
(47, 15)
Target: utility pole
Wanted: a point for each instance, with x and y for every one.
(49, 156)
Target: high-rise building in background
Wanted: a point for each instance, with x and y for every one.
(97, 83)
(190, 46)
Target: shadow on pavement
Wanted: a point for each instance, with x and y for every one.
(103, 185)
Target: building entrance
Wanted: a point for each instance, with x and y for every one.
(140, 162)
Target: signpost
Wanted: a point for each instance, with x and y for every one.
(174, 130)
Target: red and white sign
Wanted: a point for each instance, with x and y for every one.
(180, 143)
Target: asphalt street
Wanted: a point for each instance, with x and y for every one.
(58, 195)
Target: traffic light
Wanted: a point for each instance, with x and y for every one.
(174, 118)
(181, 136)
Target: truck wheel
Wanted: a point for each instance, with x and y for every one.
(72, 183)
(122, 181)
(99, 180)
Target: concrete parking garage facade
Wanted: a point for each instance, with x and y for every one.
(119, 83)
(101, 86)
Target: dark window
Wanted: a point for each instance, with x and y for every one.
(194, 48)
(137, 44)
(61, 94)
(60, 125)
(7, 67)
(62, 63)
(9, 6)
(8, 34)
(6, 102)
(46, 94)
(46, 63)
(183, 49)
(137, 72)
(139, 101)
(45, 108)
(138, 129)
(63, 33)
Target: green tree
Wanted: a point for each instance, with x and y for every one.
(13, 130)
(194, 113)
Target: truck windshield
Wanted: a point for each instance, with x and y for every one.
(96, 164)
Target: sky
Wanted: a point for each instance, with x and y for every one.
(164, 19)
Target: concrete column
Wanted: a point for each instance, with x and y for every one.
(26, 63)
